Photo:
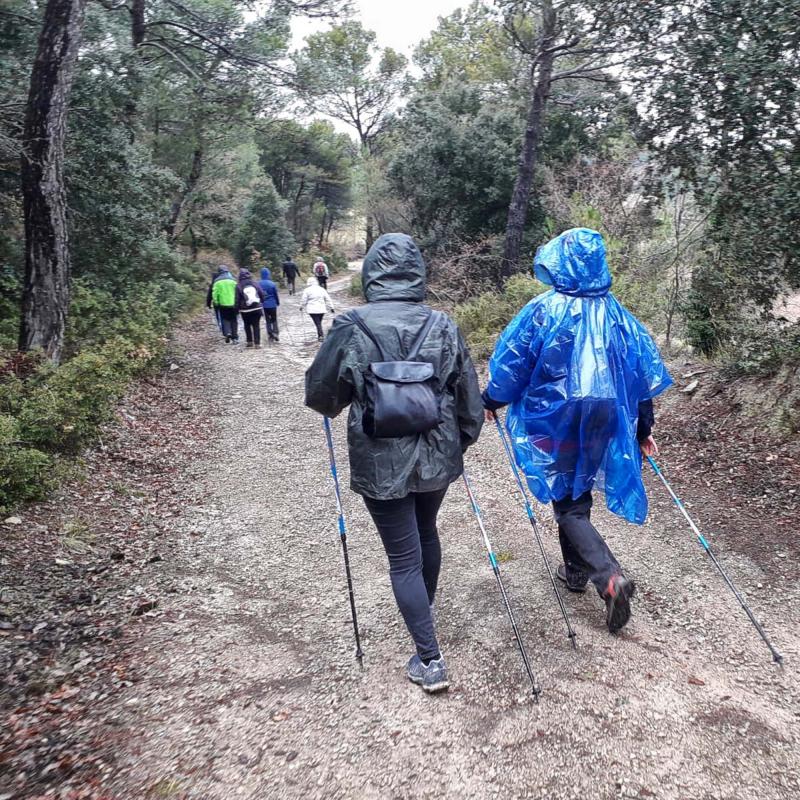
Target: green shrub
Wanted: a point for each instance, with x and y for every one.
(762, 350)
(26, 474)
(9, 307)
(114, 335)
(356, 286)
(482, 319)
(65, 406)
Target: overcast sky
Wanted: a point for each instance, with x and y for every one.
(400, 24)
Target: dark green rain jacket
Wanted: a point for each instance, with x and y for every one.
(393, 278)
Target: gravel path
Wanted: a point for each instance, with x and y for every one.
(248, 684)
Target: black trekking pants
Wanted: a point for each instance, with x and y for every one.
(230, 323)
(322, 281)
(586, 555)
(407, 528)
(252, 326)
(290, 284)
(318, 323)
(271, 316)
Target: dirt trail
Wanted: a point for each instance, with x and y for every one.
(247, 686)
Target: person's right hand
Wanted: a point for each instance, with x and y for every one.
(491, 416)
(649, 447)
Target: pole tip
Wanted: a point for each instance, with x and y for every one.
(778, 659)
(360, 658)
(573, 637)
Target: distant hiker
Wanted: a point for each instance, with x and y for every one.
(321, 272)
(403, 480)
(315, 301)
(290, 272)
(270, 303)
(580, 373)
(223, 296)
(215, 273)
(249, 297)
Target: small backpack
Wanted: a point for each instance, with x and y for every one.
(250, 295)
(403, 397)
(319, 269)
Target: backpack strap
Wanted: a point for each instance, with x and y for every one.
(422, 336)
(418, 341)
(361, 324)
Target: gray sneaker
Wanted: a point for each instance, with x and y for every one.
(432, 678)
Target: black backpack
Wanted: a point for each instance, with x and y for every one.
(403, 397)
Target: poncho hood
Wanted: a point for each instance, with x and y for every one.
(394, 270)
(244, 275)
(574, 263)
(265, 274)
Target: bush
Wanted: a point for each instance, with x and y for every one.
(482, 319)
(64, 406)
(116, 332)
(356, 286)
(25, 472)
(763, 350)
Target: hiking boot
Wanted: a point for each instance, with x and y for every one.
(258, 347)
(618, 595)
(249, 344)
(576, 580)
(227, 340)
(432, 678)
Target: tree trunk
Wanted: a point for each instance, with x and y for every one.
(370, 235)
(296, 208)
(518, 208)
(177, 204)
(322, 228)
(135, 80)
(45, 295)
(331, 219)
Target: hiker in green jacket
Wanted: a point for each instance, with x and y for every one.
(223, 296)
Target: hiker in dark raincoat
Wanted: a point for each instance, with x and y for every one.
(290, 272)
(403, 480)
(580, 373)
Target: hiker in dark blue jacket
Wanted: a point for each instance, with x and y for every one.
(270, 303)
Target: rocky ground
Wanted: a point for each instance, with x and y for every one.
(176, 625)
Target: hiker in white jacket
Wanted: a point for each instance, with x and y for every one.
(315, 302)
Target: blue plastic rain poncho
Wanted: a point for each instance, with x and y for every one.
(575, 364)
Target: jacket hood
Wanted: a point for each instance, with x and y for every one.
(574, 263)
(244, 275)
(265, 274)
(394, 270)
(312, 281)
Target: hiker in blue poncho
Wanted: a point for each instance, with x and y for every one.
(580, 372)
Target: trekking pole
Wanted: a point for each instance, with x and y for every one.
(534, 525)
(496, 569)
(776, 656)
(343, 539)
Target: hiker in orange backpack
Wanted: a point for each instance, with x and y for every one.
(321, 272)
